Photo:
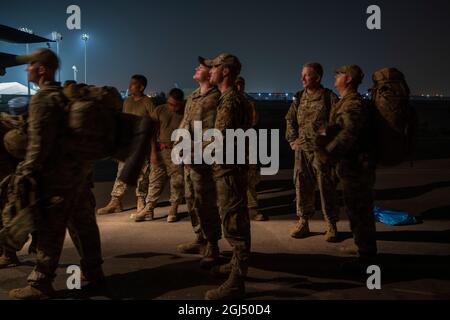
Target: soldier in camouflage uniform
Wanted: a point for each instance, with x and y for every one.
(308, 115)
(254, 173)
(231, 180)
(348, 143)
(200, 191)
(140, 105)
(168, 117)
(61, 180)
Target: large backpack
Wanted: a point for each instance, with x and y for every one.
(396, 119)
(92, 118)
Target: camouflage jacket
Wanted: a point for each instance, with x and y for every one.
(233, 112)
(48, 158)
(349, 120)
(201, 107)
(307, 115)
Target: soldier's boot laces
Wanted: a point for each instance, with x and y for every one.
(211, 256)
(173, 213)
(301, 230)
(256, 215)
(232, 289)
(332, 234)
(33, 292)
(197, 246)
(147, 214)
(8, 259)
(222, 271)
(114, 206)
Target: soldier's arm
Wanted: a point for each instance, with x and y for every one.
(351, 122)
(150, 107)
(43, 122)
(184, 123)
(224, 118)
(291, 123)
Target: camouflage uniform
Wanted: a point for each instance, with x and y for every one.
(61, 178)
(254, 173)
(231, 183)
(145, 109)
(168, 122)
(306, 116)
(85, 234)
(200, 186)
(348, 146)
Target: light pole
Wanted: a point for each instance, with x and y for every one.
(85, 38)
(75, 70)
(57, 37)
(27, 46)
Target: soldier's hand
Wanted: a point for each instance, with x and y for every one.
(294, 146)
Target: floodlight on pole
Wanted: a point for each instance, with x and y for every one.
(57, 37)
(75, 70)
(85, 38)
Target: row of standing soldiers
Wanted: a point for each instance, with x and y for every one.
(324, 132)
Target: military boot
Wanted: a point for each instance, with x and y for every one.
(222, 271)
(33, 292)
(211, 256)
(301, 230)
(195, 247)
(140, 204)
(114, 206)
(173, 213)
(331, 235)
(147, 214)
(9, 259)
(256, 215)
(232, 289)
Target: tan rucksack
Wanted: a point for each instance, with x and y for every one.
(396, 119)
(92, 118)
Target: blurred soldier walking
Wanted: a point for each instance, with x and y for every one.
(200, 187)
(61, 182)
(254, 173)
(308, 115)
(348, 142)
(231, 180)
(140, 105)
(169, 117)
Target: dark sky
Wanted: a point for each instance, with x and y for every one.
(162, 39)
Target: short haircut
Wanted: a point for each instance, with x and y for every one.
(177, 94)
(317, 67)
(141, 79)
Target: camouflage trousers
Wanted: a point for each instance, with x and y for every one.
(189, 196)
(120, 187)
(160, 173)
(201, 199)
(308, 175)
(232, 201)
(358, 180)
(75, 212)
(254, 178)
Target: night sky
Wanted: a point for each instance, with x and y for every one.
(162, 39)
